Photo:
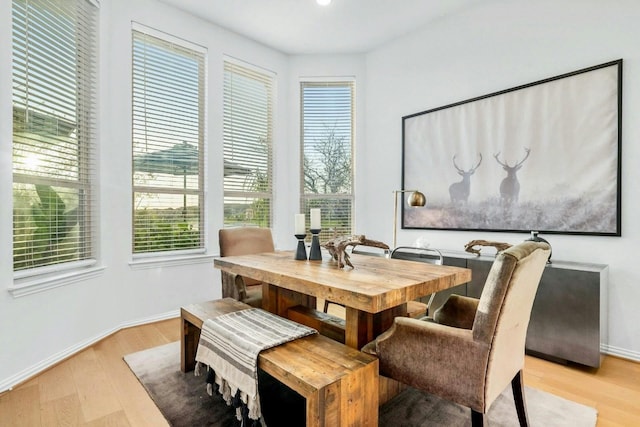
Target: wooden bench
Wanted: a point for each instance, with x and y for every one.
(335, 380)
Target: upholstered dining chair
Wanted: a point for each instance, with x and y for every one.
(243, 241)
(472, 349)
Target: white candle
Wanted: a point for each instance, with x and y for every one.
(315, 219)
(299, 224)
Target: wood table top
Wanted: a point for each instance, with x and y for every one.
(374, 285)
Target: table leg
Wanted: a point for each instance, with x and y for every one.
(362, 327)
(278, 300)
(358, 327)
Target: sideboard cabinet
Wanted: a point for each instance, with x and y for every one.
(569, 315)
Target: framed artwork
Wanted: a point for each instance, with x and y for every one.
(544, 156)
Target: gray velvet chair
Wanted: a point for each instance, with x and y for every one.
(243, 241)
(472, 349)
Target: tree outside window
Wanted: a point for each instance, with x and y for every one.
(327, 167)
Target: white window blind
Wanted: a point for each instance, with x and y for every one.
(54, 121)
(248, 135)
(168, 145)
(327, 130)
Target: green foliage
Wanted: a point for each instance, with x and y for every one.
(253, 210)
(261, 207)
(243, 214)
(163, 230)
(43, 238)
(336, 215)
(53, 224)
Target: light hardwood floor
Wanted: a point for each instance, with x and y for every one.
(96, 388)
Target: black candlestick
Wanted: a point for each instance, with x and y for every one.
(315, 254)
(301, 252)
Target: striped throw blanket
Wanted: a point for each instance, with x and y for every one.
(229, 345)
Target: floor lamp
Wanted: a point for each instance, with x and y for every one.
(415, 199)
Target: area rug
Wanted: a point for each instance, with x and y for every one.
(183, 401)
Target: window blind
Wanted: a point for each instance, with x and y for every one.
(248, 141)
(54, 123)
(327, 144)
(168, 145)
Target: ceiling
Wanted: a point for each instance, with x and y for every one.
(304, 27)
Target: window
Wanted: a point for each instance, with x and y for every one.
(168, 145)
(248, 134)
(53, 97)
(327, 141)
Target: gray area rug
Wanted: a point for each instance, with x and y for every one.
(183, 401)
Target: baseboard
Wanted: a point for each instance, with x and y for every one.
(620, 352)
(25, 375)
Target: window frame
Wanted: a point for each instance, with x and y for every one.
(146, 259)
(85, 22)
(338, 81)
(231, 64)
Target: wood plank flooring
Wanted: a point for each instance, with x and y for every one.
(96, 388)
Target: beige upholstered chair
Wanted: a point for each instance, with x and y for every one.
(243, 241)
(472, 349)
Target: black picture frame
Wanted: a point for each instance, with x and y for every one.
(544, 156)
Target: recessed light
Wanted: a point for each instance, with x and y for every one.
(323, 2)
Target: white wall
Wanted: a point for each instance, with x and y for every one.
(40, 329)
(498, 45)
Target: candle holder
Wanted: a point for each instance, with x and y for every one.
(315, 254)
(301, 252)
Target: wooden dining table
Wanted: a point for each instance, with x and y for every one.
(374, 292)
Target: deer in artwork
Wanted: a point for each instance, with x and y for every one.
(459, 191)
(510, 187)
